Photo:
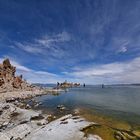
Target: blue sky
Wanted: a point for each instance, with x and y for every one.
(91, 41)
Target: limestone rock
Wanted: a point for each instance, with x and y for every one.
(56, 130)
(17, 82)
(18, 132)
(9, 81)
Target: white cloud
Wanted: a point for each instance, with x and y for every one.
(123, 72)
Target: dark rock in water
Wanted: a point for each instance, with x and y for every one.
(61, 107)
(55, 93)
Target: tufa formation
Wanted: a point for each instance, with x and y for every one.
(8, 80)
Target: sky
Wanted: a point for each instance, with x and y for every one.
(86, 41)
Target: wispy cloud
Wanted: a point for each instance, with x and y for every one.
(40, 45)
(28, 47)
(48, 41)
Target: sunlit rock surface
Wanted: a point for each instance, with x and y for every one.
(9, 81)
(66, 128)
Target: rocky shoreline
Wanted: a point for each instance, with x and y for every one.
(21, 94)
(18, 121)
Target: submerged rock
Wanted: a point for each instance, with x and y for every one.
(76, 112)
(50, 118)
(61, 107)
(137, 133)
(124, 135)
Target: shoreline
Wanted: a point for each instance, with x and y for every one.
(26, 94)
(19, 121)
(18, 115)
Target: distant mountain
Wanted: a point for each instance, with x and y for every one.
(44, 85)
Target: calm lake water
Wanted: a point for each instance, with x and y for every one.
(122, 102)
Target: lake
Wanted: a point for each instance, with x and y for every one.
(122, 102)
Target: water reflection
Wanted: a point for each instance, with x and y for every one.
(114, 100)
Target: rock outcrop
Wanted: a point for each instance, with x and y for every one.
(9, 81)
(67, 85)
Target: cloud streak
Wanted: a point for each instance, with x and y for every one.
(41, 45)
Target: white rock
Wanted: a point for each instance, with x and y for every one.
(65, 128)
(26, 115)
(4, 136)
(19, 131)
